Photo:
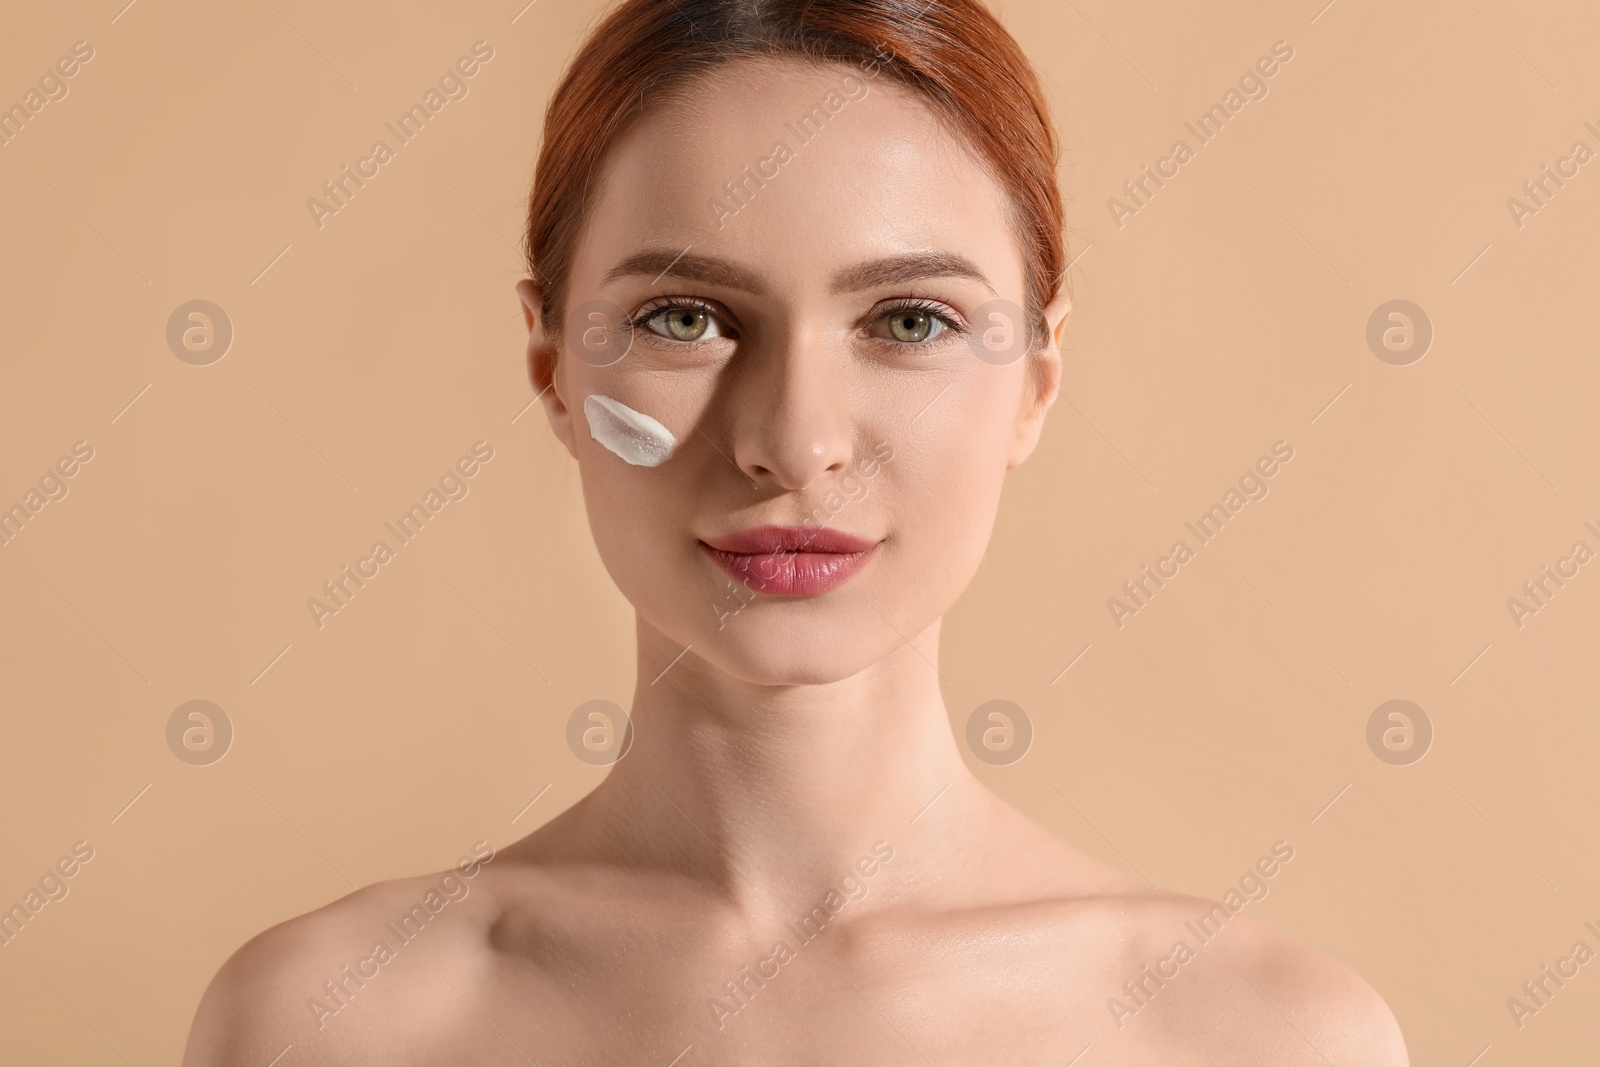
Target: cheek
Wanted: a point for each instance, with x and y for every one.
(627, 420)
(641, 466)
(966, 435)
(637, 438)
(640, 518)
(945, 494)
(633, 507)
(944, 486)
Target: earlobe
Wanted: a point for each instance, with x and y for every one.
(542, 364)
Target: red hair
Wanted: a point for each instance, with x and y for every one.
(953, 53)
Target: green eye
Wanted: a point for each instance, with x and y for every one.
(683, 322)
(917, 325)
(686, 323)
(911, 327)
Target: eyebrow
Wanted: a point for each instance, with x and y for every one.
(713, 270)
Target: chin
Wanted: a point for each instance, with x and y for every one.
(829, 647)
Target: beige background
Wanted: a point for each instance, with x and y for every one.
(1226, 315)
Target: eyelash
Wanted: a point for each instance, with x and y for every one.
(953, 326)
(654, 310)
(952, 322)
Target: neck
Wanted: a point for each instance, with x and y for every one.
(768, 789)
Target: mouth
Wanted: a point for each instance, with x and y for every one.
(790, 560)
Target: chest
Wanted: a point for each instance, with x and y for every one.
(800, 996)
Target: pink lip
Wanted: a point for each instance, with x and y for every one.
(790, 560)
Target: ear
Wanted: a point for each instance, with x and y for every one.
(542, 364)
(1042, 382)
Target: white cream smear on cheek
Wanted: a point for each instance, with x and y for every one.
(632, 435)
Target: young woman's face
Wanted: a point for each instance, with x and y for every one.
(809, 352)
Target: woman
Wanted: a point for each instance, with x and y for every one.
(795, 310)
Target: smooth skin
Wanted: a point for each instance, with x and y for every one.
(798, 733)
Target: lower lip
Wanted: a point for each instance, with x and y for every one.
(790, 573)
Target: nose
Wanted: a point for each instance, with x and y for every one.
(792, 421)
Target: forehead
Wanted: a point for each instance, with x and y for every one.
(797, 168)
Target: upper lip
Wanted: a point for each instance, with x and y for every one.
(764, 540)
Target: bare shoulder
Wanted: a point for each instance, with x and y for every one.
(1329, 1005)
(371, 966)
(1173, 978)
(1201, 975)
